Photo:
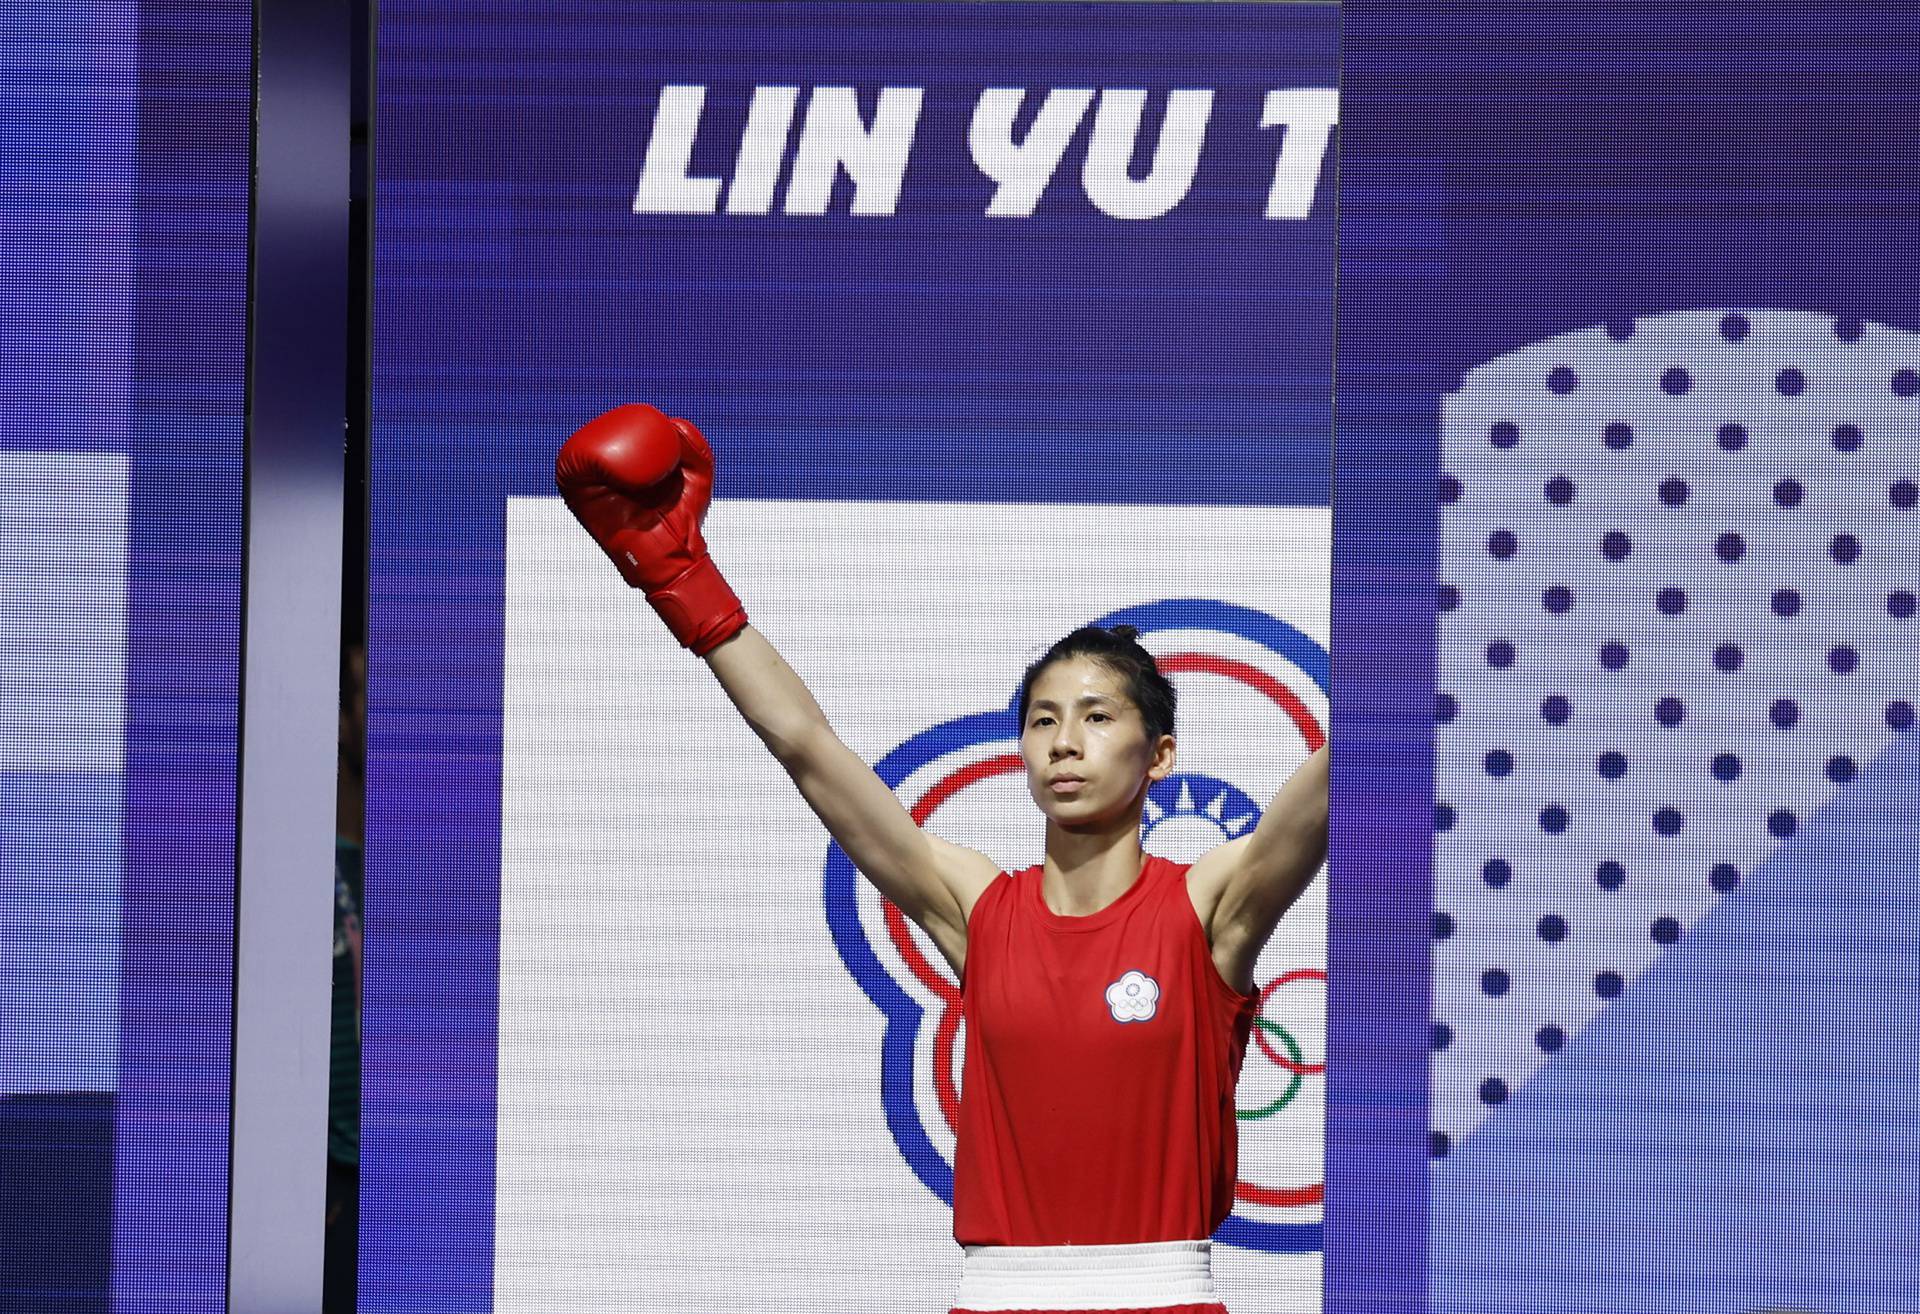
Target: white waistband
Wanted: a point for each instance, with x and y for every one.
(1087, 1277)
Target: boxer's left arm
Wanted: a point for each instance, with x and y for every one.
(1241, 889)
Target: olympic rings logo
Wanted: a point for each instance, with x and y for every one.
(1266, 1032)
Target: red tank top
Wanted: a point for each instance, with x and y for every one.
(1096, 1102)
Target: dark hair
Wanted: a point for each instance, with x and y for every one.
(1119, 650)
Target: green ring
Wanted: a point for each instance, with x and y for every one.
(1293, 1051)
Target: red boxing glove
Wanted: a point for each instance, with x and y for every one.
(639, 482)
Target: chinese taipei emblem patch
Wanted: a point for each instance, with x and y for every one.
(1252, 699)
(1135, 997)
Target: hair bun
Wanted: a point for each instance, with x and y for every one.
(1126, 632)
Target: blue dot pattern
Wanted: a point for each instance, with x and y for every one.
(1717, 513)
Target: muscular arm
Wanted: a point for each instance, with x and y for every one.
(1242, 888)
(933, 882)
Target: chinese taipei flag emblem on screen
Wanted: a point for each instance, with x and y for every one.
(1230, 665)
(711, 1029)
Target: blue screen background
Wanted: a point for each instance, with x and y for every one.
(122, 360)
(1733, 1130)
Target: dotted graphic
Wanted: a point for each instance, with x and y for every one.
(1678, 561)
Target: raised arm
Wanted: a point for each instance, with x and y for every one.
(934, 882)
(1242, 888)
(639, 482)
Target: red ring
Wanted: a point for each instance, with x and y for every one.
(925, 972)
(947, 1030)
(1266, 1046)
(1254, 677)
(1298, 1195)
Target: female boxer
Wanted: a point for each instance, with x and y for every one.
(1108, 993)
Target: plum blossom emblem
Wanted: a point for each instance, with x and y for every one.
(1133, 997)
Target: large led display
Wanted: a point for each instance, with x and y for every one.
(122, 383)
(1632, 324)
(1001, 320)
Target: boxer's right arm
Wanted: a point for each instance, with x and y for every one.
(639, 481)
(934, 882)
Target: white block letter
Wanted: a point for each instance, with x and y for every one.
(1022, 171)
(665, 187)
(1308, 114)
(763, 145)
(1175, 157)
(833, 137)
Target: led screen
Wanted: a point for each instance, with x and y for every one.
(122, 381)
(1001, 320)
(1637, 320)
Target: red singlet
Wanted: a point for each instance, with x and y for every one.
(1101, 1055)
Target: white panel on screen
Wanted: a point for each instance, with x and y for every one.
(63, 641)
(63, 604)
(690, 1112)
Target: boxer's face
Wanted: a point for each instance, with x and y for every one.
(1088, 757)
